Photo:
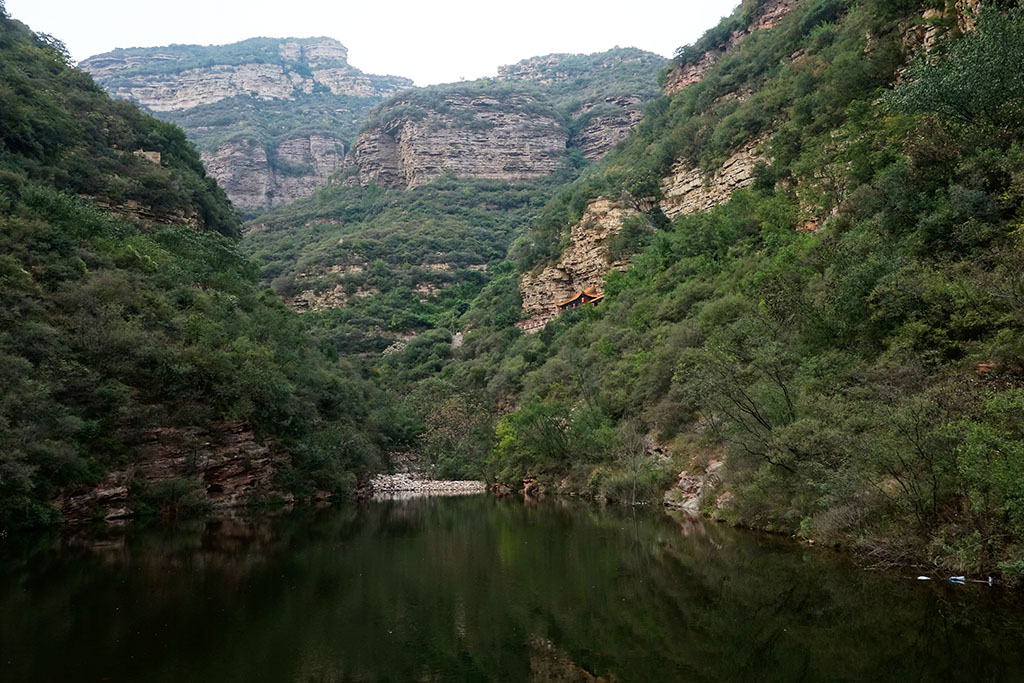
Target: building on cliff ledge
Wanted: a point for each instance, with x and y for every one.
(585, 297)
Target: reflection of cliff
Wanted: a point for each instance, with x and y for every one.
(548, 664)
(477, 589)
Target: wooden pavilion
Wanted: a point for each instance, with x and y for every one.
(584, 297)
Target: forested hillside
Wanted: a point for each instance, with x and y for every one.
(442, 180)
(833, 347)
(144, 368)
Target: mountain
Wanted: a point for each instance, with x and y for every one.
(439, 183)
(144, 368)
(515, 127)
(807, 264)
(272, 118)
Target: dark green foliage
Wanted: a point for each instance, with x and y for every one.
(863, 380)
(116, 321)
(60, 129)
(403, 244)
(977, 80)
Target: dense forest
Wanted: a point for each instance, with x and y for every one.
(125, 304)
(845, 333)
(838, 346)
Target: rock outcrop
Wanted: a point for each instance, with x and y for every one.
(689, 190)
(238, 101)
(689, 488)
(186, 76)
(301, 165)
(602, 94)
(224, 465)
(583, 264)
(509, 137)
(606, 123)
(768, 15)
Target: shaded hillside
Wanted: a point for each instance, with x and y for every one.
(273, 118)
(143, 367)
(821, 323)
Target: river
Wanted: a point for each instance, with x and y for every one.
(481, 589)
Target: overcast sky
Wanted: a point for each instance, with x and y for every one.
(430, 42)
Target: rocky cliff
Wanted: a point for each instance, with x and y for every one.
(689, 190)
(508, 136)
(219, 466)
(582, 265)
(767, 15)
(585, 261)
(602, 125)
(301, 165)
(272, 118)
(601, 95)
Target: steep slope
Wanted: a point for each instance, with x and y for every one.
(477, 131)
(143, 367)
(466, 166)
(819, 332)
(516, 127)
(600, 95)
(273, 118)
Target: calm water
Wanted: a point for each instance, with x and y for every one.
(467, 589)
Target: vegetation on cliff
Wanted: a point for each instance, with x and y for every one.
(847, 331)
(125, 303)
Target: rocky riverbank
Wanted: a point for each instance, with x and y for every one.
(409, 485)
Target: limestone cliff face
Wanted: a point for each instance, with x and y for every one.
(583, 264)
(302, 165)
(164, 79)
(601, 94)
(605, 124)
(767, 16)
(238, 102)
(585, 261)
(514, 137)
(224, 463)
(689, 190)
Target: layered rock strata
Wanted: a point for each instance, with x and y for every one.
(583, 264)
(301, 165)
(479, 136)
(767, 16)
(224, 465)
(614, 120)
(230, 101)
(689, 190)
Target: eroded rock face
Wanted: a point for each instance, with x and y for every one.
(604, 129)
(164, 80)
(225, 462)
(229, 99)
(583, 264)
(768, 16)
(511, 138)
(688, 190)
(301, 165)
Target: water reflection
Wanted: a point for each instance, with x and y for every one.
(480, 589)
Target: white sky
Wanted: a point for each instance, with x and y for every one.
(430, 42)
